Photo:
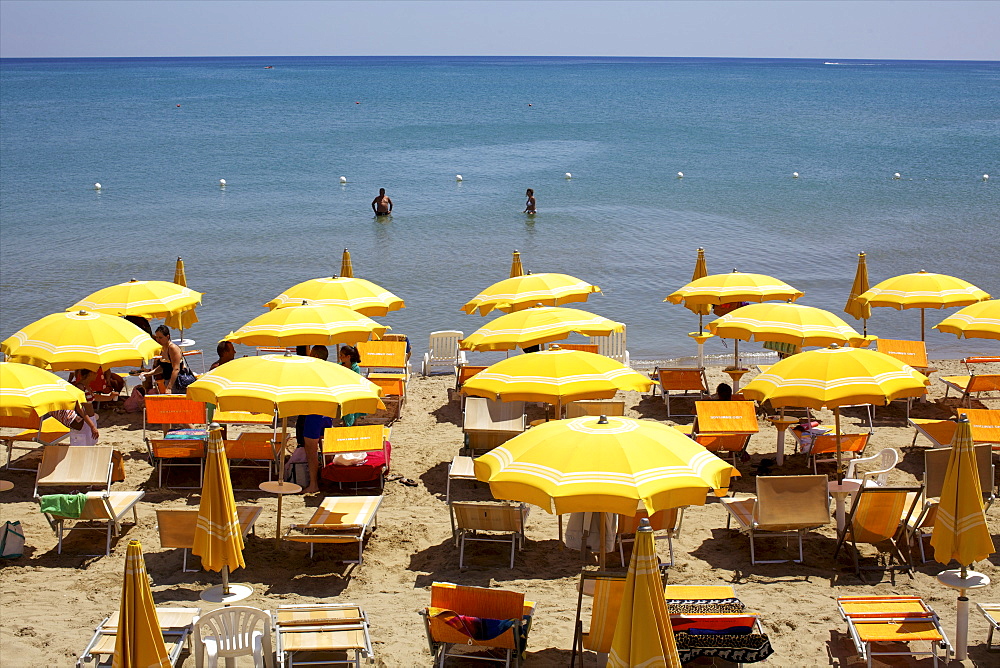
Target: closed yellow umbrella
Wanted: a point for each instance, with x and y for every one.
(855, 308)
(643, 634)
(346, 268)
(139, 641)
(734, 287)
(978, 321)
(538, 325)
(307, 325)
(516, 268)
(606, 464)
(28, 391)
(184, 319)
(356, 294)
(700, 271)
(218, 539)
(81, 340)
(147, 299)
(521, 292)
(923, 290)
(834, 377)
(788, 323)
(555, 376)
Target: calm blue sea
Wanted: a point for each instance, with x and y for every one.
(160, 133)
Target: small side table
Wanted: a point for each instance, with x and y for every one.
(6, 485)
(700, 338)
(840, 492)
(972, 580)
(781, 424)
(280, 488)
(184, 343)
(736, 374)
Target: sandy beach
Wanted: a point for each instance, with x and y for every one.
(51, 603)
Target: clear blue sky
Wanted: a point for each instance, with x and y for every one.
(948, 30)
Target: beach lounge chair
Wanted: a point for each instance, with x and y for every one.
(393, 386)
(595, 407)
(890, 625)
(489, 423)
(724, 426)
(489, 523)
(585, 347)
(991, 613)
(913, 353)
(824, 448)
(231, 632)
(338, 629)
(38, 430)
(443, 351)
(447, 619)
(972, 385)
(173, 409)
(339, 519)
(710, 621)
(177, 527)
(173, 453)
(879, 514)
(176, 624)
(887, 458)
(985, 425)
(254, 451)
(685, 380)
(783, 506)
(613, 346)
(389, 356)
(667, 521)
(607, 590)
(66, 468)
(370, 440)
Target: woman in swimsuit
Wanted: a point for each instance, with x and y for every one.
(169, 364)
(529, 206)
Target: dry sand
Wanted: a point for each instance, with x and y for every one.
(51, 603)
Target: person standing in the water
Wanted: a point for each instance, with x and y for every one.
(382, 205)
(529, 206)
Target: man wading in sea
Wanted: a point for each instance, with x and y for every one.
(382, 205)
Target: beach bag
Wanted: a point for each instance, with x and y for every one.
(184, 378)
(136, 401)
(297, 468)
(11, 540)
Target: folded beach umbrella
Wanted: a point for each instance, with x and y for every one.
(147, 299)
(184, 319)
(853, 307)
(82, 340)
(978, 321)
(538, 325)
(643, 633)
(356, 294)
(603, 464)
(834, 377)
(923, 290)
(521, 292)
(516, 268)
(788, 323)
(346, 268)
(28, 391)
(731, 288)
(555, 376)
(139, 641)
(218, 539)
(700, 271)
(307, 325)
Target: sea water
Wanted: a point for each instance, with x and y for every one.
(158, 134)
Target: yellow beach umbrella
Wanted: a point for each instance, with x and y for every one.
(978, 321)
(555, 376)
(307, 325)
(356, 294)
(81, 340)
(788, 323)
(834, 377)
(147, 299)
(854, 308)
(538, 325)
(521, 292)
(923, 290)
(643, 634)
(516, 268)
(28, 391)
(184, 319)
(218, 539)
(607, 464)
(346, 268)
(139, 641)
(734, 287)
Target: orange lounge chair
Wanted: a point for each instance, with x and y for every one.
(972, 385)
(880, 514)
(595, 407)
(39, 430)
(607, 590)
(388, 355)
(913, 353)
(685, 380)
(668, 521)
(876, 621)
(824, 448)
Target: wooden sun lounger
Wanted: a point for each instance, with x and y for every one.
(339, 519)
(323, 627)
(177, 528)
(175, 623)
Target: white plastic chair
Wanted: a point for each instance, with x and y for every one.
(443, 351)
(878, 478)
(233, 632)
(613, 346)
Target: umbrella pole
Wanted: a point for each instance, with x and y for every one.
(225, 579)
(281, 476)
(601, 557)
(836, 425)
(736, 356)
(922, 312)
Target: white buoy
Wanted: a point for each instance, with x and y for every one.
(568, 175)
(986, 177)
(896, 176)
(97, 186)
(343, 179)
(795, 175)
(222, 182)
(680, 175)
(458, 177)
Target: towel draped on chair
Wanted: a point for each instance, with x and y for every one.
(479, 628)
(63, 505)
